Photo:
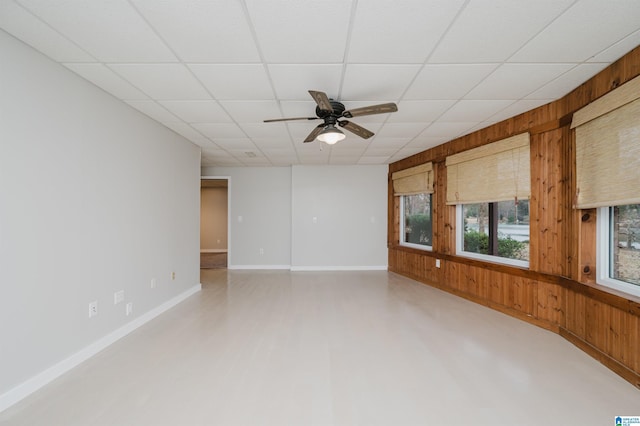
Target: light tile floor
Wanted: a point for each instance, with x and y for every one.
(331, 348)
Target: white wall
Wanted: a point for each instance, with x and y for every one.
(339, 217)
(262, 197)
(277, 206)
(94, 198)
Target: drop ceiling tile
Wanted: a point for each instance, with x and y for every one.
(313, 149)
(298, 109)
(380, 152)
(250, 111)
(277, 162)
(347, 160)
(198, 31)
(314, 161)
(107, 80)
(381, 33)
(568, 81)
(265, 130)
(474, 110)
(162, 81)
(571, 37)
(373, 160)
(353, 146)
(23, 25)
(515, 81)
(205, 143)
(275, 152)
(234, 81)
(422, 143)
(235, 143)
(215, 153)
(401, 130)
(224, 162)
(258, 161)
(514, 109)
(448, 130)
(246, 153)
(388, 142)
(112, 31)
(447, 81)
(617, 50)
(283, 159)
(197, 111)
(217, 131)
(184, 130)
(419, 111)
(274, 143)
(303, 31)
(491, 31)
(293, 81)
(155, 111)
(377, 82)
(404, 153)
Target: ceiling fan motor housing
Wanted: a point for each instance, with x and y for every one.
(331, 117)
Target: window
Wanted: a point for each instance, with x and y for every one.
(416, 225)
(414, 186)
(619, 247)
(490, 186)
(607, 174)
(496, 231)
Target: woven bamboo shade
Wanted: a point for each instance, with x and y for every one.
(499, 171)
(608, 158)
(416, 180)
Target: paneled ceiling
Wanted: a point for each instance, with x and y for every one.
(212, 70)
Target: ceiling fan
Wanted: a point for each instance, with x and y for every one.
(331, 112)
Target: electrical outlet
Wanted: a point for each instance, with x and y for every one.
(261, 252)
(93, 309)
(129, 308)
(437, 263)
(118, 297)
(173, 275)
(154, 283)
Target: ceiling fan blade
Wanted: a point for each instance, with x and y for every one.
(273, 120)
(322, 100)
(354, 128)
(370, 110)
(312, 136)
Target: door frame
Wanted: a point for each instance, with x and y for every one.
(228, 179)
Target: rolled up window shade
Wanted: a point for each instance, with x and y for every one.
(608, 158)
(416, 180)
(499, 171)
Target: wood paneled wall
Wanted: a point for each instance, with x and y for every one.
(558, 290)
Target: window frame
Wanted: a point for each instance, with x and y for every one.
(479, 256)
(402, 235)
(603, 255)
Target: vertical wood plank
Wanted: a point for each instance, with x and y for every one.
(587, 246)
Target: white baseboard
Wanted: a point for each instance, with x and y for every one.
(33, 384)
(340, 268)
(287, 267)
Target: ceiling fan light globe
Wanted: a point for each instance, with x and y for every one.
(330, 135)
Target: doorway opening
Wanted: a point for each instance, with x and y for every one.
(214, 223)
